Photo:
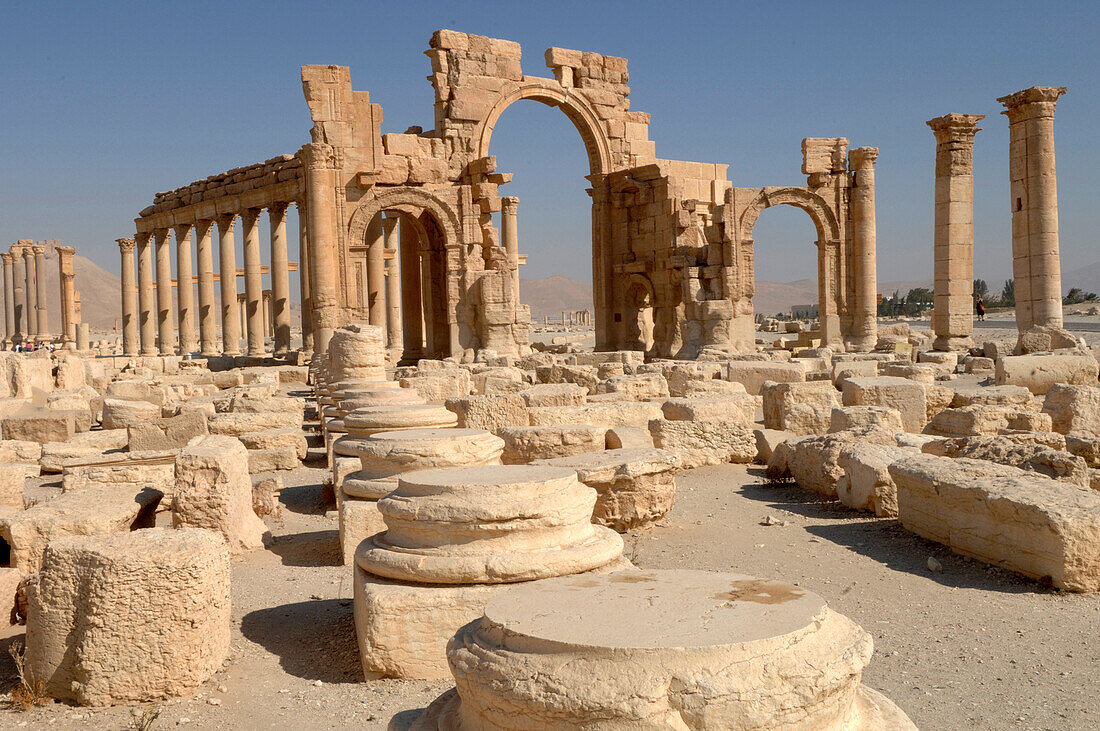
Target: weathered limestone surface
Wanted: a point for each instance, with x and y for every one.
(119, 414)
(138, 469)
(554, 394)
(524, 444)
(1073, 409)
(292, 439)
(850, 417)
(87, 444)
(173, 432)
(739, 407)
(985, 420)
(637, 387)
(234, 424)
(489, 412)
(213, 491)
(93, 511)
(624, 413)
(766, 442)
(634, 486)
(700, 443)
(906, 396)
(671, 649)
(754, 374)
(1038, 373)
(1011, 450)
(866, 482)
(814, 462)
(1001, 515)
(41, 426)
(628, 437)
(130, 617)
(799, 408)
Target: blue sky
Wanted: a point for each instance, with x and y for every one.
(106, 103)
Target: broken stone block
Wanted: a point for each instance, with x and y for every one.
(87, 444)
(1084, 446)
(1015, 396)
(637, 387)
(766, 442)
(40, 426)
(814, 462)
(213, 491)
(166, 433)
(866, 483)
(118, 414)
(1073, 409)
(94, 511)
(138, 469)
(850, 417)
(634, 487)
(236, 424)
(799, 408)
(524, 444)
(144, 586)
(754, 374)
(700, 443)
(983, 420)
(609, 415)
(1017, 451)
(265, 497)
(554, 394)
(906, 396)
(1020, 521)
(710, 388)
(1038, 373)
(628, 437)
(294, 439)
(271, 459)
(440, 385)
(489, 412)
(730, 407)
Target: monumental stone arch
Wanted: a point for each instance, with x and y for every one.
(398, 229)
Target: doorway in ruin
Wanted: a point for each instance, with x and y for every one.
(638, 328)
(558, 226)
(787, 264)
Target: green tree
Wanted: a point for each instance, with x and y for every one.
(1008, 294)
(980, 288)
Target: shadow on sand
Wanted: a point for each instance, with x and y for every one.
(317, 548)
(314, 640)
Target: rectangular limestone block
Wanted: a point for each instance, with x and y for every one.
(799, 408)
(440, 385)
(489, 412)
(753, 374)
(1073, 409)
(740, 407)
(42, 427)
(154, 469)
(906, 396)
(358, 520)
(272, 459)
(608, 415)
(700, 443)
(1004, 516)
(166, 433)
(554, 394)
(236, 424)
(523, 444)
(1038, 372)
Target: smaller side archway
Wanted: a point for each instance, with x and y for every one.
(638, 322)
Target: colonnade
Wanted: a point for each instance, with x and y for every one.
(147, 320)
(26, 312)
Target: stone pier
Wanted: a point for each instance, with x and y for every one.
(130, 343)
(953, 314)
(412, 311)
(1035, 259)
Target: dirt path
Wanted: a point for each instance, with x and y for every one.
(971, 647)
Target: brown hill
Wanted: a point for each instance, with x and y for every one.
(552, 295)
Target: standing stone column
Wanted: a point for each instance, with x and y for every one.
(165, 330)
(253, 281)
(129, 299)
(953, 313)
(145, 294)
(303, 279)
(319, 166)
(864, 334)
(412, 315)
(1035, 259)
(376, 269)
(18, 273)
(509, 237)
(41, 308)
(30, 294)
(9, 300)
(231, 328)
(208, 318)
(265, 299)
(185, 290)
(280, 278)
(68, 296)
(393, 284)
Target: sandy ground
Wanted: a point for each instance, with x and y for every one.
(970, 647)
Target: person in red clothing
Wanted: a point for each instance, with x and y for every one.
(980, 307)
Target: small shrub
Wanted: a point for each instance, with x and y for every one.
(28, 692)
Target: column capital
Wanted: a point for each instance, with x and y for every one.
(126, 246)
(142, 237)
(39, 250)
(183, 230)
(389, 223)
(278, 209)
(161, 234)
(249, 216)
(318, 156)
(226, 220)
(1034, 95)
(28, 252)
(65, 250)
(510, 203)
(955, 127)
(863, 158)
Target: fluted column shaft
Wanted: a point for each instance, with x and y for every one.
(30, 294)
(208, 316)
(165, 330)
(1036, 263)
(280, 278)
(253, 281)
(953, 238)
(864, 332)
(231, 328)
(9, 299)
(130, 343)
(145, 294)
(393, 284)
(185, 290)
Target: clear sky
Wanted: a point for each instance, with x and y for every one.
(103, 104)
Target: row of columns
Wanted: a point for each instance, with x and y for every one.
(141, 303)
(26, 313)
(1036, 266)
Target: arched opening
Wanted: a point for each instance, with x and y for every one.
(638, 330)
(398, 280)
(786, 264)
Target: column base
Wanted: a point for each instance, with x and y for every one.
(948, 344)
